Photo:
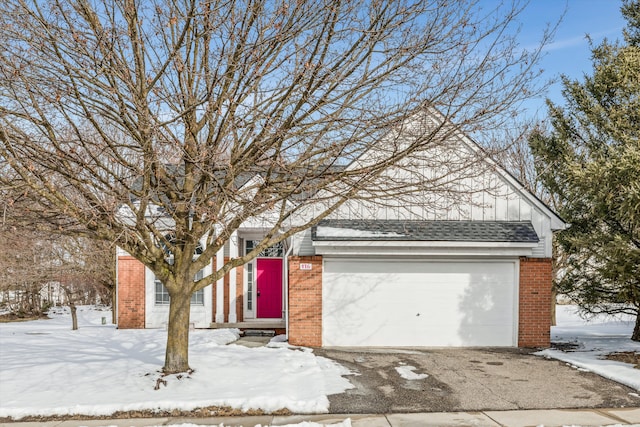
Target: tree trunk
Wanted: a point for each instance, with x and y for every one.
(177, 353)
(636, 330)
(74, 316)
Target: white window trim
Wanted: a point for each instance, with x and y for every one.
(249, 313)
(192, 303)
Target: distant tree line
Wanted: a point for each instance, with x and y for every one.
(40, 267)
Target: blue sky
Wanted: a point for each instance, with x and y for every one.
(569, 53)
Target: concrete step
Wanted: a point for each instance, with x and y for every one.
(259, 333)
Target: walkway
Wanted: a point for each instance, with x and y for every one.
(547, 418)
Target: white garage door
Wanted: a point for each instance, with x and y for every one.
(387, 302)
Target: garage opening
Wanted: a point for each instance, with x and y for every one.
(419, 302)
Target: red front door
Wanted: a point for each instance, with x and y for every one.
(269, 288)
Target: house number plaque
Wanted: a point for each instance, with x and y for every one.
(306, 266)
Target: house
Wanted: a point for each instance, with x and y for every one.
(469, 266)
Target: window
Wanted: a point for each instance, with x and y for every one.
(197, 298)
(250, 286)
(162, 295)
(275, 251)
(170, 239)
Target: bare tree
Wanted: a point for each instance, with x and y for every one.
(510, 147)
(84, 269)
(24, 274)
(24, 262)
(158, 125)
(41, 267)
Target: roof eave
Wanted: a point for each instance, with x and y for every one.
(422, 244)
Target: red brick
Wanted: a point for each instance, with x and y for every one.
(534, 324)
(131, 293)
(305, 302)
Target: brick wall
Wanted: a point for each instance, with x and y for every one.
(535, 301)
(305, 301)
(131, 293)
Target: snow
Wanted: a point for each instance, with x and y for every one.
(324, 231)
(48, 369)
(407, 373)
(593, 339)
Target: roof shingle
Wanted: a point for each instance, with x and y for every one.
(456, 231)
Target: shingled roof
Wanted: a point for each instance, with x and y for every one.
(455, 231)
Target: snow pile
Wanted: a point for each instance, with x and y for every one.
(328, 232)
(48, 369)
(280, 341)
(589, 341)
(407, 373)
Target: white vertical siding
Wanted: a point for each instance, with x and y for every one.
(524, 209)
(302, 244)
(513, 207)
(452, 180)
(501, 206)
(485, 197)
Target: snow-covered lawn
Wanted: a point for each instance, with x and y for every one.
(589, 341)
(48, 369)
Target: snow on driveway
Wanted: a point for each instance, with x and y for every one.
(48, 369)
(589, 341)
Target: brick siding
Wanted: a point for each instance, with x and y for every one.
(534, 326)
(131, 293)
(305, 301)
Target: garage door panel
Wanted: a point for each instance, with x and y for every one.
(402, 303)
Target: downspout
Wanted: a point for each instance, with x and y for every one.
(286, 290)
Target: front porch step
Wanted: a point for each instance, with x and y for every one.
(252, 342)
(275, 324)
(259, 333)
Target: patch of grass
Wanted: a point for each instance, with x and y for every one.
(12, 317)
(567, 347)
(210, 411)
(630, 357)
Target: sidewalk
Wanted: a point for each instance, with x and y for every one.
(547, 418)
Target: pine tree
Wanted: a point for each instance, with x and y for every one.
(590, 160)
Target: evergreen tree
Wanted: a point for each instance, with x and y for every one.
(590, 160)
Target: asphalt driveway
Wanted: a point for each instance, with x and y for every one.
(468, 380)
